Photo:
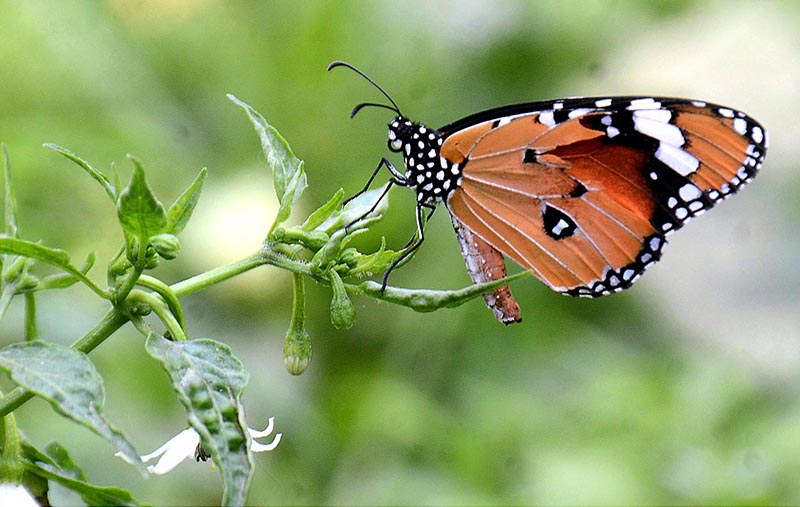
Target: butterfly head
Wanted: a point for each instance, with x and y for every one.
(401, 132)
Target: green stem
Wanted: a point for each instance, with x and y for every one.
(31, 332)
(111, 322)
(298, 321)
(166, 293)
(162, 310)
(128, 284)
(216, 275)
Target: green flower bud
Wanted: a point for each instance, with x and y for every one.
(132, 249)
(166, 245)
(297, 345)
(297, 350)
(151, 261)
(343, 313)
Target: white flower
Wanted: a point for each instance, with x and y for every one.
(184, 445)
(17, 495)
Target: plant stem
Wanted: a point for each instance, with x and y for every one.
(216, 275)
(298, 321)
(31, 331)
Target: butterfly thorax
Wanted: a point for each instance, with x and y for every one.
(432, 176)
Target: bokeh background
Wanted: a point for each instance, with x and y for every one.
(683, 390)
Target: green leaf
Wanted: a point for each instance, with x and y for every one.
(57, 465)
(354, 213)
(343, 312)
(10, 199)
(181, 210)
(209, 382)
(101, 178)
(64, 280)
(53, 256)
(140, 212)
(324, 212)
(288, 175)
(69, 382)
(369, 264)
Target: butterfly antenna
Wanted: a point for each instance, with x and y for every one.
(394, 107)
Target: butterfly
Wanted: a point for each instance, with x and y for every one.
(582, 192)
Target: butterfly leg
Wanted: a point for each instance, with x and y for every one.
(396, 175)
(413, 243)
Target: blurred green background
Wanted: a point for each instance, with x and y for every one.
(683, 390)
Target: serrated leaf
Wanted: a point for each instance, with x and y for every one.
(288, 175)
(140, 212)
(209, 382)
(101, 178)
(69, 382)
(181, 210)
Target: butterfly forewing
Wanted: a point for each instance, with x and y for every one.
(583, 191)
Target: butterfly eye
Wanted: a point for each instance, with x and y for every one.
(395, 145)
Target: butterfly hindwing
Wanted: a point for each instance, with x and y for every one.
(583, 191)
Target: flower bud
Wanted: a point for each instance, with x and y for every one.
(343, 313)
(166, 245)
(297, 350)
(132, 249)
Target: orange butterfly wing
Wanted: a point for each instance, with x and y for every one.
(584, 194)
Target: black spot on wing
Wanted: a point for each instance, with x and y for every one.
(530, 157)
(557, 224)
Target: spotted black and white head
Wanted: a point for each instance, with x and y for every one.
(432, 176)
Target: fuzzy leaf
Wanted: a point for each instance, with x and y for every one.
(101, 178)
(288, 175)
(324, 212)
(209, 382)
(69, 382)
(140, 212)
(10, 199)
(354, 213)
(181, 210)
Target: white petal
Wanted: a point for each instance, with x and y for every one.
(185, 439)
(258, 447)
(16, 495)
(265, 432)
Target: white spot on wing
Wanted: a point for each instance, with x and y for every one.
(546, 118)
(603, 103)
(689, 192)
(646, 103)
(740, 126)
(663, 131)
(560, 226)
(579, 112)
(758, 134)
(680, 161)
(662, 115)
